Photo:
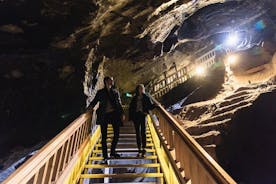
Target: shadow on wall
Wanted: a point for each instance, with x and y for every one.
(209, 86)
(248, 149)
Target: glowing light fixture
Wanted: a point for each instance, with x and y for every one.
(232, 59)
(200, 71)
(128, 95)
(232, 40)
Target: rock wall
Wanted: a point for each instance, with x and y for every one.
(41, 70)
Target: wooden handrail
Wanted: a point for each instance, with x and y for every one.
(170, 160)
(198, 165)
(51, 160)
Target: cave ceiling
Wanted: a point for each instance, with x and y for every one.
(173, 31)
(140, 35)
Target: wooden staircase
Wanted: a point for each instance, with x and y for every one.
(129, 167)
(75, 156)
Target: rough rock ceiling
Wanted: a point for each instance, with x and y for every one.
(150, 33)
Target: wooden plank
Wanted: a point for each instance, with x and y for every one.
(66, 155)
(78, 138)
(82, 133)
(35, 178)
(71, 153)
(59, 163)
(63, 159)
(52, 166)
(46, 169)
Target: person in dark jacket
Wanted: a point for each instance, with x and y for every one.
(139, 108)
(110, 111)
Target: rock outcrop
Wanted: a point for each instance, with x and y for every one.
(236, 126)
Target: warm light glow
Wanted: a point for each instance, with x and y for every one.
(200, 71)
(232, 40)
(232, 59)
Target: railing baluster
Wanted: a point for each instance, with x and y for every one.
(65, 154)
(52, 167)
(83, 132)
(41, 174)
(35, 178)
(76, 142)
(71, 153)
(59, 162)
(79, 138)
(46, 169)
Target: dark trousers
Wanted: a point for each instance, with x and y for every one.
(140, 128)
(112, 118)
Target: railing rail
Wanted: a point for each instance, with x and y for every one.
(198, 165)
(48, 164)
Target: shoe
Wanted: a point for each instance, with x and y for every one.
(143, 152)
(115, 155)
(104, 161)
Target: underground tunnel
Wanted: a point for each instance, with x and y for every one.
(209, 63)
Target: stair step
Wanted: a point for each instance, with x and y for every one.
(120, 144)
(131, 183)
(126, 132)
(127, 135)
(124, 175)
(151, 157)
(126, 128)
(127, 139)
(126, 150)
(99, 166)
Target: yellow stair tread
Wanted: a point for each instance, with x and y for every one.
(127, 135)
(125, 127)
(151, 157)
(126, 132)
(125, 150)
(124, 175)
(128, 183)
(109, 140)
(120, 143)
(127, 138)
(90, 166)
